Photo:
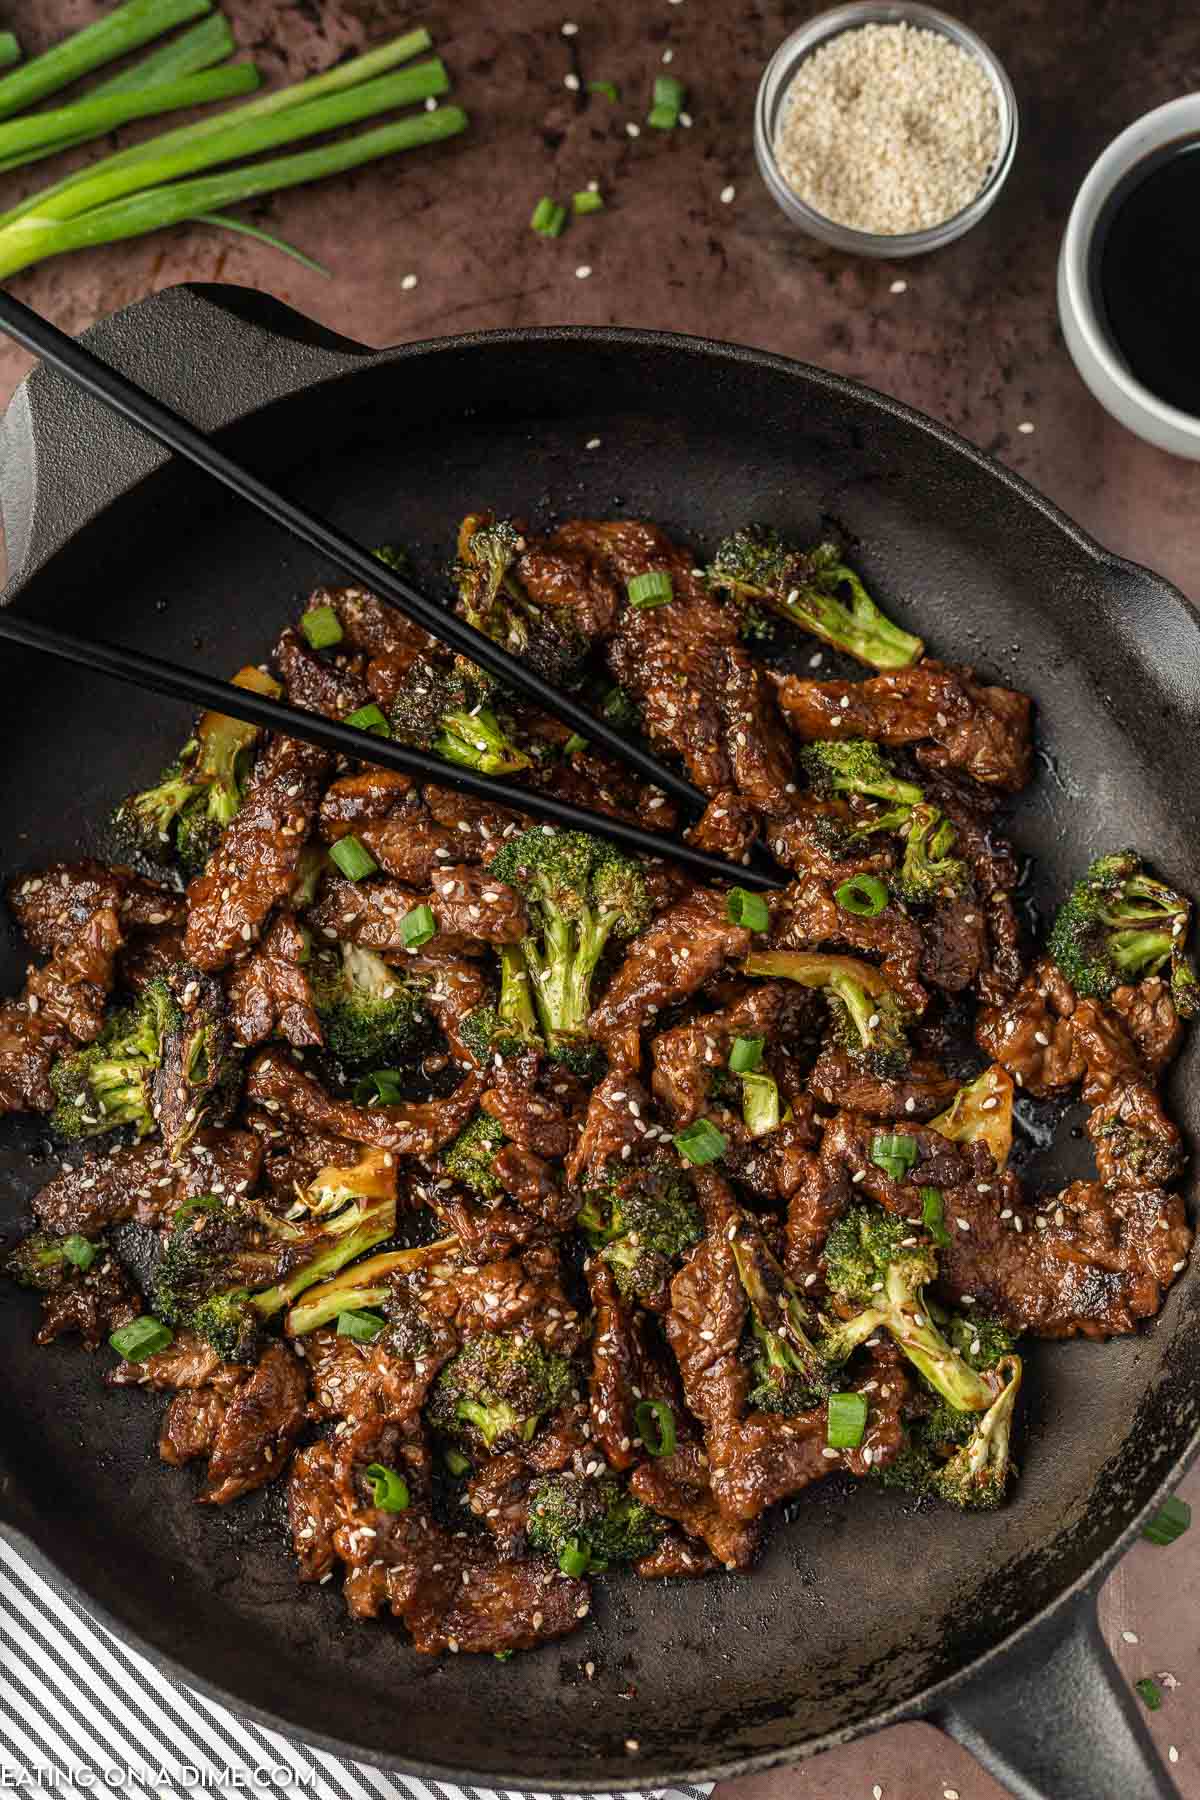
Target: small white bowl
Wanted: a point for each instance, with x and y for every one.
(1100, 363)
(777, 79)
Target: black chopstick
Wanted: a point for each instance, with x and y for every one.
(151, 672)
(168, 427)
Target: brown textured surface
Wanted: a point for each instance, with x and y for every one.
(973, 339)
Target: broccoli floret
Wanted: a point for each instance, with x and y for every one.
(1120, 925)
(639, 1221)
(981, 1113)
(110, 1083)
(144, 823)
(394, 556)
(369, 1284)
(791, 1375)
(470, 1157)
(868, 1265)
(496, 1391)
(580, 891)
(590, 1522)
(510, 1026)
(369, 1013)
(980, 1338)
(495, 602)
(198, 1072)
(977, 1475)
(868, 1018)
(42, 1261)
(441, 708)
(929, 872)
(229, 1266)
(817, 591)
(856, 766)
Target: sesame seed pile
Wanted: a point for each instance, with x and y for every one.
(888, 128)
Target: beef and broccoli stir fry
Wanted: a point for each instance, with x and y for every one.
(527, 1211)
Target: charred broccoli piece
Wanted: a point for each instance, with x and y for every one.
(580, 891)
(229, 1266)
(928, 871)
(817, 590)
(197, 794)
(981, 1113)
(966, 1462)
(197, 1078)
(873, 1265)
(470, 1157)
(589, 1522)
(442, 707)
(867, 1016)
(640, 1221)
(840, 766)
(494, 1394)
(369, 1012)
(791, 1375)
(510, 1026)
(980, 1338)
(1119, 925)
(495, 602)
(110, 1083)
(42, 1261)
(372, 1284)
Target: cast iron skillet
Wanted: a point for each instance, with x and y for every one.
(865, 1610)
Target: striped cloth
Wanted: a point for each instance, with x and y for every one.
(74, 1699)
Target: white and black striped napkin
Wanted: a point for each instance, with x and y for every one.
(81, 1715)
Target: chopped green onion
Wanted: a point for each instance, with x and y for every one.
(654, 588)
(746, 1055)
(548, 217)
(574, 1559)
(1150, 1692)
(352, 858)
(77, 1250)
(201, 1203)
(745, 908)
(502, 1655)
(10, 50)
(380, 1084)
(656, 1426)
(587, 202)
(608, 88)
(322, 627)
(123, 30)
(1169, 1522)
(933, 1216)
(389, 1490)
(359, 1327)
(701, 1142)
(573, 743)
(418, 926)
(846, 1420)
(894, 1154)
(760, 1104)
(865, 896)
(141, 1338)
(669, 91)
(663, 118)
(456, 1462)
(304, 953)
(368, 718)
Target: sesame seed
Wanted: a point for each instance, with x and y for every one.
(831, 1455)
(668, 55)
(898, 287)
(592, 444)
(570, 28)
(1172, 1754)
(877, 1792)
(571, 82)
(728, 194)
(685, 119)
(1129, 1637)
(631, 1744)
(431, 104)
(1025, 427)
(949, 1794)
(633, 130)
(583, 271)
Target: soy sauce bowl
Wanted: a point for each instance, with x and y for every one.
(772, 93)
(1089, 340)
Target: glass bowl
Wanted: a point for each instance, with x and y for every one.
(777, 78)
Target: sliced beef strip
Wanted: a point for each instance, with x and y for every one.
(757, 741)
(52, 905)
(487, 1234)
(1031, 1034)
(91, 1301)
(627, 1367)
(409, 844)
(190, 1425)
(1148, 1014)
(467, 903)
(728, 827)
(254, 866)
(556, 572)
(314, 684)
(186, 1364)
(821, 1195)
(995, 874)
(955, 943)
(480, 828)
(1134, 1142)
(314, 1512)
(689, 1057)
(139, 1182)
(371, 914)
(498, 1495)
(533, 1184)
(682, 949)
(369, 624)
(149, 956)
(62, 1006)
(409, 1128)
(774, 1167)
(675, 1558)
(362, 799)
(269, 993)
(531, 1117)
(806, 916)
(923, 1090)
(956, 724)
(619, 1125)
(259, 1428)
(822, 838)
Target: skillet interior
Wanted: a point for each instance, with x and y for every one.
(861, 1604)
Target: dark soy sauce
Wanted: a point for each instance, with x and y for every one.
(1146, 272)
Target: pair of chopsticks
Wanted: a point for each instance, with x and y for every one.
(139, 669)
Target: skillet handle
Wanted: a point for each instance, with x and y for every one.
(1056, 1720)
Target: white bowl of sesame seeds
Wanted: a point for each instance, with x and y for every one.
(885, 129)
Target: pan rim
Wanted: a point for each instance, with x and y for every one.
(926, 1700)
